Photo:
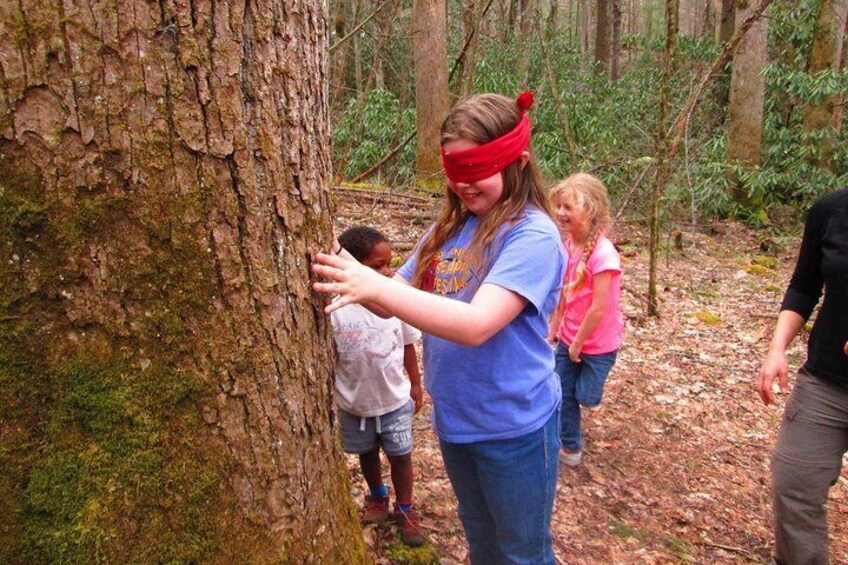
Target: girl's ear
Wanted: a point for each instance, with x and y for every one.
(523, 158)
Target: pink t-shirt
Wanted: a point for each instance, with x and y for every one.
(607, 335)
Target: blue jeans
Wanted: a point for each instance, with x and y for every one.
(582, 385)
(505, 489)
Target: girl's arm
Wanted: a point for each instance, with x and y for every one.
(410, 363)
(789, 323)
(491, 309)
(601, 283)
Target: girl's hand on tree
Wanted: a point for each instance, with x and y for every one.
(353, 282)
(774, 365)
(574, 351)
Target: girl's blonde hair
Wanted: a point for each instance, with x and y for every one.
(481, 119)
(589, 195)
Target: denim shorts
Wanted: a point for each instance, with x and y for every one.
(392, 431)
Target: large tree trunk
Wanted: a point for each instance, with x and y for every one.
(165, 370)
(745, 118)
(431, 88)
(826, 54)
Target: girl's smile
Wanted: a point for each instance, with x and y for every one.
(572, 221)
(478, 196)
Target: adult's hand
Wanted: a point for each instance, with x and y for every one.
(774, 366)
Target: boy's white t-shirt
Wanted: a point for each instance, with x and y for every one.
(370, 378)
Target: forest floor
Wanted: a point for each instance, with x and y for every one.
(676, 460)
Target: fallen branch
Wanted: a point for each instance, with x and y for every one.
(730, 548)
(384, 196)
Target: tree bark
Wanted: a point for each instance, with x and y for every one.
(745, 119)
(431, 88)
(471, 16)
(826, 55)
(527, 25)
(709, 19)
(339, 57)
(662, 169)
(165, 369)
(615, 58)
(727, 24)
(602, 37)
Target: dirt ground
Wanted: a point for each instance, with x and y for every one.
(676, 457)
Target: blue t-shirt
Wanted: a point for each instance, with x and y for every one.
(506, 387)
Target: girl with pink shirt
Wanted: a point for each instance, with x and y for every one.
(588, 324)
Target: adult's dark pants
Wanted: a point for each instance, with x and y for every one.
(806, 462)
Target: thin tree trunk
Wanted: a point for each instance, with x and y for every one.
(468, 61)
(709, 19)
(662, 170)
(431, 88)
(648, 11)
(585, 25)
(727, 24)
(615, 59)
(340, 56)
(602, 37)
(553, 17)
(527, 24)
(384, 17)
(169, 167)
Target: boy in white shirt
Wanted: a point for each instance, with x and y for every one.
(376, 400)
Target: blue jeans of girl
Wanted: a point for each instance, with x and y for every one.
(582, 385)
(505, 490)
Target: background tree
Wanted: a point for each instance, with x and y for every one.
(602, 36)
(826, 56)
(431, 87)
(661, 174)
(745, 119)
(165, 371)
(615, 54)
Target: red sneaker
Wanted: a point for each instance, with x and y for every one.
(410, 529)
(376, 509)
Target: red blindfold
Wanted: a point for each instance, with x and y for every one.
(481, 162)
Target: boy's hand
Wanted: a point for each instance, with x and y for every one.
(574, 351)
(417, 394)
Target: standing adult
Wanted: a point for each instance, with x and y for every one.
(814, 430)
